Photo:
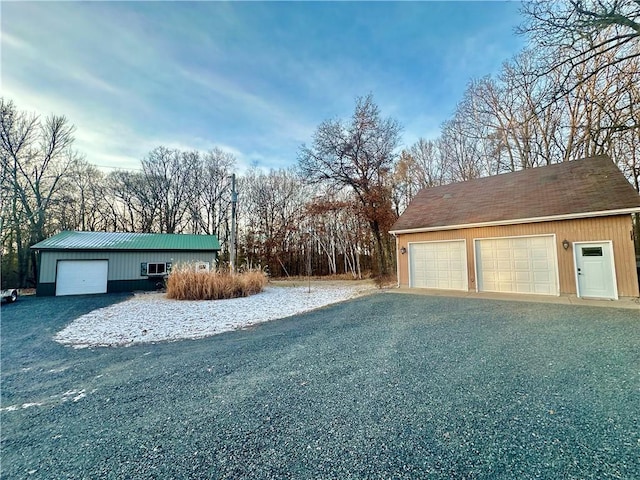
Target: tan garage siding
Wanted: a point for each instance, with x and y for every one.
(615, 228)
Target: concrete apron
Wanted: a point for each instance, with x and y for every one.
(623, 302)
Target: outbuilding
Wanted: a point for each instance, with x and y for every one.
(559, 229)
(74, 263)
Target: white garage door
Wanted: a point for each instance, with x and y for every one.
(77, 277)
(438, 265)
(517, 265)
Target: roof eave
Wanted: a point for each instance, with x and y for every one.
(517, 221)
(107, 249)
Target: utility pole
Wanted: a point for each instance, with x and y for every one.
(232, 247)
(309, 242)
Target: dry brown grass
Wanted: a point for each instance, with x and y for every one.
(386, 281)
(379, 281)
(184, 283)
(347, 277)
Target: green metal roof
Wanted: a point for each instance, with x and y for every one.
(128, 241)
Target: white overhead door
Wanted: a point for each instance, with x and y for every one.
(517, 265)
(438, 265)
(77, 277)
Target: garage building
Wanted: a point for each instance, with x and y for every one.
(559, 229)
(74, 263)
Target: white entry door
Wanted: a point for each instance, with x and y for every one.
(595, 271)
(77, 277)
(440, 265)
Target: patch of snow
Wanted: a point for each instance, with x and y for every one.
(58, 370)
(13, 408)
(153, 318)
(80, 396)
(74, 395)
(68, 396)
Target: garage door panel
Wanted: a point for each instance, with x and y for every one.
(440, 265)
(520, 254)
(79, 277)
(539, 242)
(539, 254)
(540, 265)
(523, 265)
(542, 277)
(457, 266)
(503, 264)
(505, 276)
(488, 257)
(487, 262)
(457, 275)
(543, 289)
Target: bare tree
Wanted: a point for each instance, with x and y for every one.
(358, 155)
(209, 211)
(575, 32)
(134, 207)
(172, 178)
(461, 150)
(84, 204)
(36, 155)
(270, 214)
(418, 167)
(338, 233)
(515, 122)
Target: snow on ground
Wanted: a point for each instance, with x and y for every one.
(151, 317)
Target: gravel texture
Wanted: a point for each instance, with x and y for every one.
(151, 317)
(386, 386)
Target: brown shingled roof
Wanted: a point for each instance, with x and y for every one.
(571, 189)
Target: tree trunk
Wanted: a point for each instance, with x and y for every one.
(381, 256)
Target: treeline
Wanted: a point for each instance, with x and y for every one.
(284, 224)
(573, 93)
(523, 119)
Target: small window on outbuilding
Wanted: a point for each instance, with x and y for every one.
(202, 266)
(156, 269)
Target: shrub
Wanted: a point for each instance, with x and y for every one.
(185, 283)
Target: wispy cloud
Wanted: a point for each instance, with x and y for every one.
(253, 78)
(12, 41)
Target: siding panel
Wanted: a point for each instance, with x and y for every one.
(122, 265)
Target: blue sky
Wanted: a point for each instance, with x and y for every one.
(253, 78)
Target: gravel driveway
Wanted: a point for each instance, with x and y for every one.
(384, 386)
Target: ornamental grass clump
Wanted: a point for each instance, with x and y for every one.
(185, 283)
